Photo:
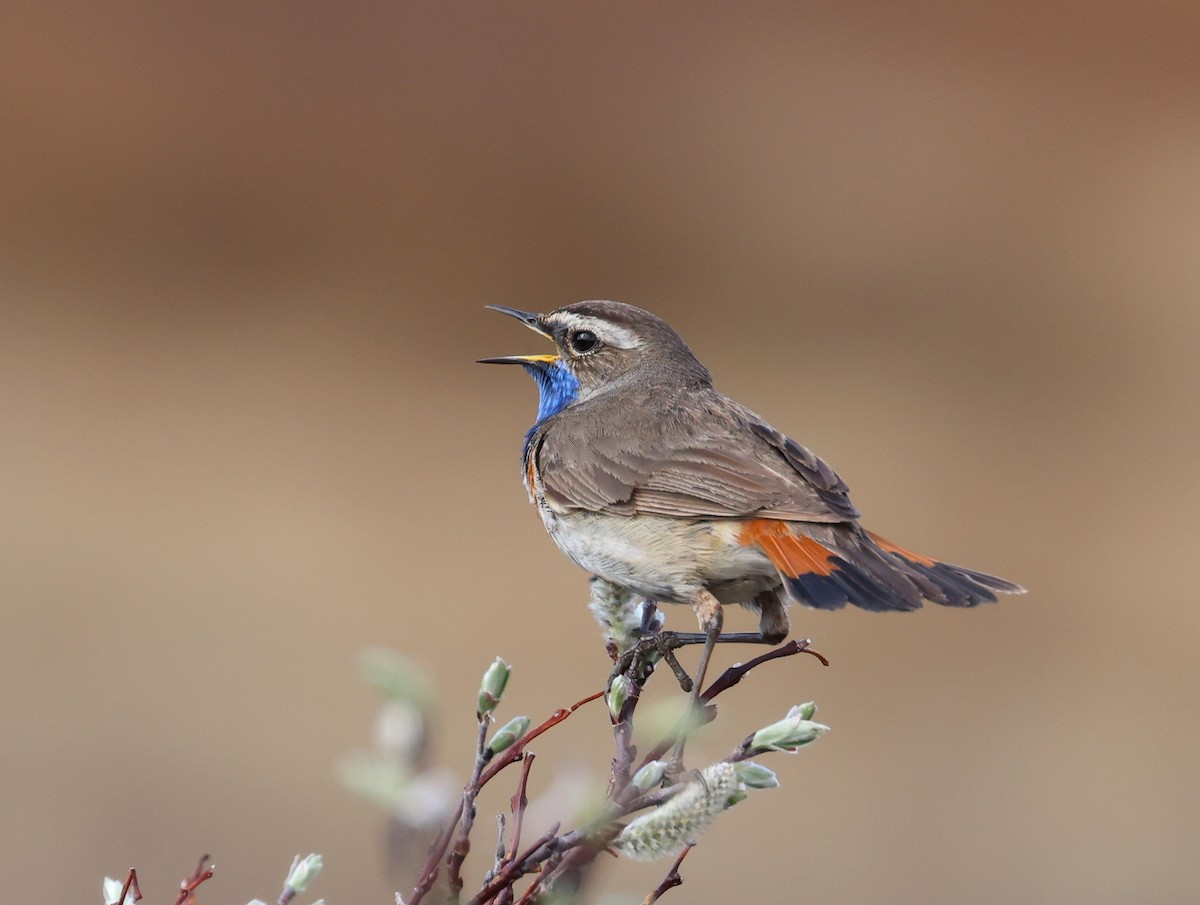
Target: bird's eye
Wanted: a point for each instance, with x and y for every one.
(582, 341)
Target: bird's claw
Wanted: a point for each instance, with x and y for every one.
(638, 661)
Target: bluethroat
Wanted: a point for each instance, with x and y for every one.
(660, 486)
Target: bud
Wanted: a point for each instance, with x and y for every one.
(791, 733)
(112, 892)
(755, 776)
(491, 689)
(303, 872)
(618, 692)
(804, 711)
(507, 734)
(669, 828)
(650, 776)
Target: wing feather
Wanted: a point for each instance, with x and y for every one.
(701, 455)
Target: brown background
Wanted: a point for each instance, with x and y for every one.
(951, 247)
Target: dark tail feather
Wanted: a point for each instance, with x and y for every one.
(988, 581)
(820, 591)
(829, 566)
(845, 572)
(958, 586)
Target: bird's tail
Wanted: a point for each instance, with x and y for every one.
(828, 566)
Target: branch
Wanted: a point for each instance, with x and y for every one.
(730, 677)
(622, 764)
(430, 872)
(555, 860)
(738, 671)
(131, 881)
(532, 856)
(187, 889)
(670, 881)
(519, 803)
(508, 755)
(462, 843)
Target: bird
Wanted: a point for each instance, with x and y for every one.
(664, 489)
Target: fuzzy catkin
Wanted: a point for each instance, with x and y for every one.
(616, 609)
(671, 827)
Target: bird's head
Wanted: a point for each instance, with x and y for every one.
(601, 347)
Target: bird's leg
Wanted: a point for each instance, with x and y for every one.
(772, 628)
(710, 616)
(773, 622)
(773, 625)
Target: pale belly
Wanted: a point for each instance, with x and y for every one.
(665, 559)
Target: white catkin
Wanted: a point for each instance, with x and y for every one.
(616, 610)
(671, 827)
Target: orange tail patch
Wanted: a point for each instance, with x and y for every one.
(791, 553)
(821, 577)
(865, 570)
(884, 544)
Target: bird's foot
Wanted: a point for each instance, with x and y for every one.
(638, 661)
(662, 646)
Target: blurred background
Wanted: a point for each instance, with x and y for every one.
(245, 253)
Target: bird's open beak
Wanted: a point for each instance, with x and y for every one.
(530, 320)
(519, 360)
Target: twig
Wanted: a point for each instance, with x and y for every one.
(429, 873)
(187, 889)
(517, 750)
(737, 672)
(561, 859)
(622, 764)
(724, 682)
(500, 855)
(573, 859)
(519, 803)
(587, 700)
(130, 882)
(670, 881)
(579, 848)
(531, 857)
(653, 799)
(535, 887)
(462, 843)
(289, 891)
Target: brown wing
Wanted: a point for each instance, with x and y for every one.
(697, 454)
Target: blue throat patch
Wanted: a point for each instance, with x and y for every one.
(557, 388)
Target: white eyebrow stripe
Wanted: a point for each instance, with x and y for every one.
(608, 332)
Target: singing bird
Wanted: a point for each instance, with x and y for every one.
(653, 481)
